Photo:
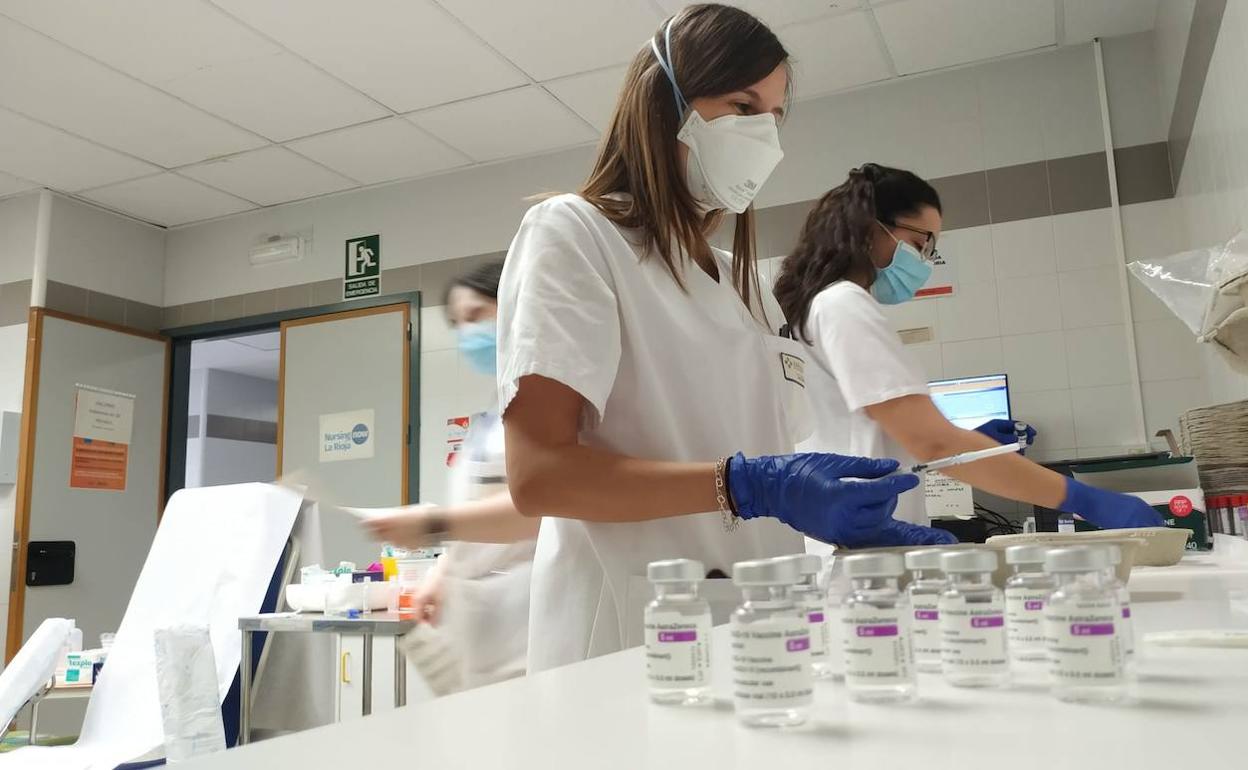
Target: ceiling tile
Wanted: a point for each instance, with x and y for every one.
(1087, 19)
(592, 95)
(407, 54)
(380, 151)
(553, 38)
(929, 34)
(779, 14)
(167, 199)
(519, 122)
(54, 158)
(84, 97)
(279, 96)
(833, 54)
(269, 176)
(11, 184)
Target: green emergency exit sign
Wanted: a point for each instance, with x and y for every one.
(362, 274)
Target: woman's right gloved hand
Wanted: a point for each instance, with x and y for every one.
(844, 500)
(1108, 510)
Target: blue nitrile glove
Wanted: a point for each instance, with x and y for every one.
(897, 532)
(1002, 432)
(810, 494)
(1108, 510)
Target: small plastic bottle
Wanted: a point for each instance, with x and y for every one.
(772, 684)
(927, 583)
(837, 587)
(1126, 626)
(878, 659)
(1026, 592)
(678, 634)
(1081, 622)
(972, 622)
(809, 598)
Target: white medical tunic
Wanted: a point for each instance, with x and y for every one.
(857, 360)
(666, 374)
(487, 584)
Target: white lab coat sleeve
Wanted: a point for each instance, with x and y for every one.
(557, 311)
(862, 351)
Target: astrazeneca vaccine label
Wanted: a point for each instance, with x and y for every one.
(678, 649)
(925, 629)
(771, 662)
(816, 616)
(972, 635)
(1083, 641)
(1024, 615)
(877, 646)
(835, 628)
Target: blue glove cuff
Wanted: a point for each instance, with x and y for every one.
(1077, 496)
(736, 482)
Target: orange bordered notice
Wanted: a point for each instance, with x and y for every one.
(98, 464)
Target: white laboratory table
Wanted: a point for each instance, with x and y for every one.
(1191, 709)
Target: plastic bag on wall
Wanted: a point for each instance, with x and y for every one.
(1208, 290)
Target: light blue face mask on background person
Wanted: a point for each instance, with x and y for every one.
(478, 341)
(903, 277)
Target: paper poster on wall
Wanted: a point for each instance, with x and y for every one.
(942, 281)
(103, 425)
(347, 436)
(456, 432)
(944, 497)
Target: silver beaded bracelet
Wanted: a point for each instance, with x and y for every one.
(731, 521)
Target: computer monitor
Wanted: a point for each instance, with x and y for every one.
(969, 402)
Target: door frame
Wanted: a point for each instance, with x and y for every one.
(26, 455)
(180, 373)
(359, 312)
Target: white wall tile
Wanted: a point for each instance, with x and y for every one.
(1036, 361)
(1158, 229)
(1167, 351)
(969, 250)
(1051, 455)
(439, 374)
(1031, 304)
(914, 314)
(435, 332)
(1084, 239)
(1165, 402)
(1024, 247)
(475, 391)
(1071, 106)
(1049, 412)
(1090, 297)
(971, 313)
(1131, 81)
(1104, 416)
(972, 357)
(1012, 115)
(929, 357)
(1097, 356)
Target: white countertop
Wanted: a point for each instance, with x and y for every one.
(1191, 710)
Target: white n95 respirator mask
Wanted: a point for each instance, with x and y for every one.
(729, 158)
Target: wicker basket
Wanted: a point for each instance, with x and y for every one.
(1217, 436)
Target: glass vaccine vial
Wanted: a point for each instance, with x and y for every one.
(1081, 621)
(810, 600)
(972, 621)
(1026, 592)
(678, 634)
(1126, 626)
(837, 587)
(879, 664)
(772, 682)
(927, 583)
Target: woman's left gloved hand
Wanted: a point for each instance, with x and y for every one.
(1002, 432)
(896, 532)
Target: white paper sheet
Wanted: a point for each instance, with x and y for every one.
(32, 667)
(210, 563)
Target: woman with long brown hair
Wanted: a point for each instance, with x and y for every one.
(648, 411)
(867, 242)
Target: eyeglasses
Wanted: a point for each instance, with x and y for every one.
(928, 251)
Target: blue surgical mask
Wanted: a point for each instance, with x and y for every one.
(478, 341)
(903, 277)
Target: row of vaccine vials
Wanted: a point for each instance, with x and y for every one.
(1063, 606)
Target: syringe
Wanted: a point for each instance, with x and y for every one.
(967, 457)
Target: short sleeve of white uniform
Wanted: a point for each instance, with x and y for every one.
(853, 337)
(557, 311)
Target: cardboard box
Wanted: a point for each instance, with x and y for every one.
(1170, 484)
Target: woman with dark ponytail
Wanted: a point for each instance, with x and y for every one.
(871, 241)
